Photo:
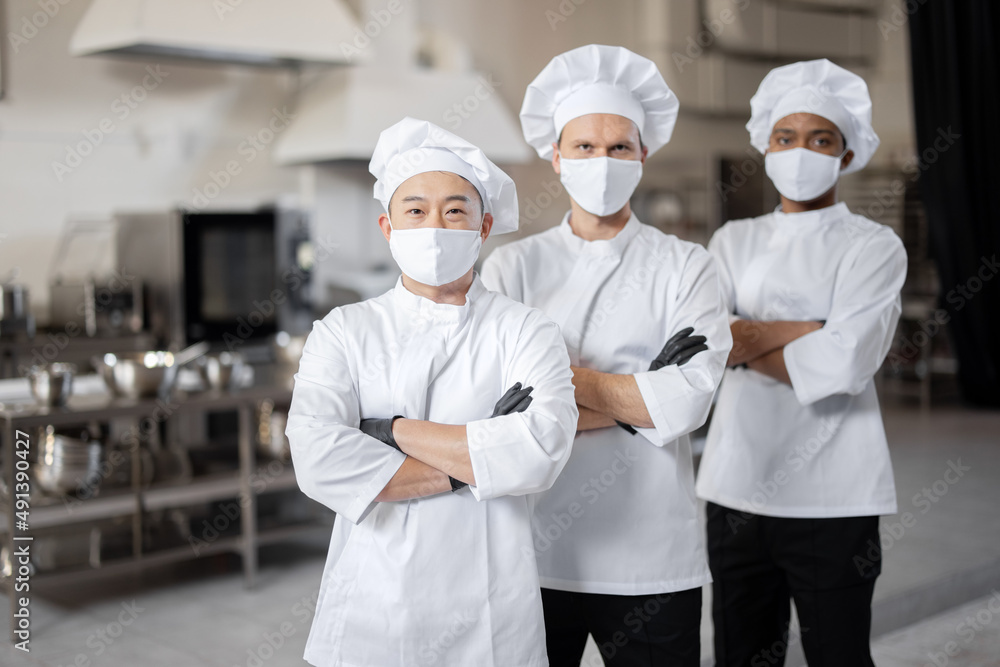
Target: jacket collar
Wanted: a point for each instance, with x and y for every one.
(613, 247)
(421, 308)
(806, 219)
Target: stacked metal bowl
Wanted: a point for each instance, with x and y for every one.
(65, 463)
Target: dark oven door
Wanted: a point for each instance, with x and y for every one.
(229, 277)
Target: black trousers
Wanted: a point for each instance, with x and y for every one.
(630, 630)
(828, 566)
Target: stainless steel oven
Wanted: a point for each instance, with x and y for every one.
(228, 277)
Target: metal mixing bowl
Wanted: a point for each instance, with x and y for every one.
(52, 384)
(134, 374)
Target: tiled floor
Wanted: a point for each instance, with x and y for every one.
(200, 614)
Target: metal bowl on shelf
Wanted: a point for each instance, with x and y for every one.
(221, 371)
(52, 384)
(145, 374)
(134, 374)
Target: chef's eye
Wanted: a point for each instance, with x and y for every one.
(414, 211)
(456, 211)
(584, 147)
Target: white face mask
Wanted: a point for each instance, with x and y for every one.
(601, 185)
(435, 256)
(802, 175)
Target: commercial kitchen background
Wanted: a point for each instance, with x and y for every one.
(84, 138)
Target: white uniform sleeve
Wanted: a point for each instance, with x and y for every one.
(843, 356)
(523, 453)
(678, 398)
(335, 463)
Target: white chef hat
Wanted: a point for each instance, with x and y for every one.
(412, 147)
(598, 79)
(818, 87)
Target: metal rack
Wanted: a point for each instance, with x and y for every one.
(138, 500)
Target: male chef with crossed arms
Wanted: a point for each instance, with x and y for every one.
(424, 417)
(628, 559)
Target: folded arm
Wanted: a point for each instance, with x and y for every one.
(414, 479)
(611, 395)
(441, 446)
(592, 419)
(753, 339)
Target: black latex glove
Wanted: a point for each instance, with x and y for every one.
(514, 400)
(380, 429)
(677, 351)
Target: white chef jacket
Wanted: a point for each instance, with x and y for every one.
(816, 449)
(622, 518)
(446, 579)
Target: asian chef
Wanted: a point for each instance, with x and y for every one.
(403, 400)
(796, 470)
(621, 554)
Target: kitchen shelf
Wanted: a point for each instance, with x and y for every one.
(137, 501)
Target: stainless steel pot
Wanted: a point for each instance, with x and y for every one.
(220, 371)
(52, 384)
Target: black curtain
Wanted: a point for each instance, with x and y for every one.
(956, 96)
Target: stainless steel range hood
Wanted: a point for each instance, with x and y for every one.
(341, 115)
(260, 32)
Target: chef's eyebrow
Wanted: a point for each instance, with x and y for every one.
(420, 198)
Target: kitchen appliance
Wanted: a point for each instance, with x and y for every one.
(228, 277)
(100, 307)
(16, 320)
(89, 287)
